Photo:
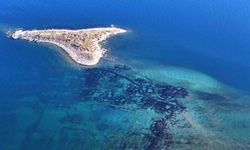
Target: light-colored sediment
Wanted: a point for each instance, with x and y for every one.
(83, 46)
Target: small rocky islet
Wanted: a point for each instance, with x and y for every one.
(84, 46)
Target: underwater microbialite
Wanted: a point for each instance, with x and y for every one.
(112, 87)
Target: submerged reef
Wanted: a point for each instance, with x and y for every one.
(114, 88)
(107, 86)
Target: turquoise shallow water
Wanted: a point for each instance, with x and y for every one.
(184, 84)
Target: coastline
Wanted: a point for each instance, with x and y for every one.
(84, 46)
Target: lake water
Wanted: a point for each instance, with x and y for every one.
(185, 84)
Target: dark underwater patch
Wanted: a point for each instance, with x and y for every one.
(107, 86)
(210, 96)
(116, 89)
(73, 118)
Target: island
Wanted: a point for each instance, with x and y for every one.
(84, 46)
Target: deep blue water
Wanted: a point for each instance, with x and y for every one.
(209, 36)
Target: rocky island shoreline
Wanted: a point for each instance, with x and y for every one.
(83, 46)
